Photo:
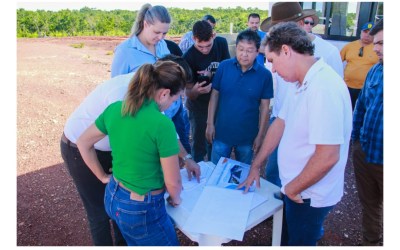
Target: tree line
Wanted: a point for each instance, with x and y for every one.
(94, 22)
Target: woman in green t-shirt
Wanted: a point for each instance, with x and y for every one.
(145, 155)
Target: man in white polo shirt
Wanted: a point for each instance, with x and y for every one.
(285, 12)
(313, 131)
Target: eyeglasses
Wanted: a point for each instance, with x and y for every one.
(361, 52)
(308, 22)
(243, 51)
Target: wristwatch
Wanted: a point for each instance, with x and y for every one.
(186, 157)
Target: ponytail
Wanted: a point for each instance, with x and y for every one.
(148, 79)
(141, 87)
(150, 15)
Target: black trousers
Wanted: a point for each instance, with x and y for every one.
(91, 190)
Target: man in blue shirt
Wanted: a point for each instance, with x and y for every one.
(253, 23)
(367, 139)
(239, 103)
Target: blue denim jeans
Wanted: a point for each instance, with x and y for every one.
(271, 169)
(91, 191)
(200, 145)
(142, 223)
(243, 153)
(302, 225)
(182, 126)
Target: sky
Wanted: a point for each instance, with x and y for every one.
(136, 4)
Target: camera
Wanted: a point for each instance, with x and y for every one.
(203, 78)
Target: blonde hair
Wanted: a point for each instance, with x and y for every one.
(150, 78)
(150, 15)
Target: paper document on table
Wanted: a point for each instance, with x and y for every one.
(229, 173)
(193, 188)
(221, 212)
(206, 170)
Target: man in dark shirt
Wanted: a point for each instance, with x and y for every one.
(203, 58)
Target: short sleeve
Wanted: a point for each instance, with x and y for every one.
(166, 140)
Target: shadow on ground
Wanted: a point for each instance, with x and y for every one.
(50, 213)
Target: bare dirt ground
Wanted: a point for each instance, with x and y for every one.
(52, 79)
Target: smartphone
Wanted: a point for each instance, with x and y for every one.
(203, 78)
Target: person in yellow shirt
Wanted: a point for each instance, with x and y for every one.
(360, 57)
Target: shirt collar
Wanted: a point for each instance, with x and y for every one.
(136, 44)
(315, 68)
(255, 66)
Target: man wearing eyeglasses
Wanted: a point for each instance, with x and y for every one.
(311, 21)
(360, 57)
(239, 104)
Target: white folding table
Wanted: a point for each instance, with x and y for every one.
(271, 207)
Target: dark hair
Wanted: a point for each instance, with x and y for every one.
(249, 36)
(377, 27)
(209, 18)
(150, 15)
(202, 30)
(254, 15)
(173, 47)
(182, 62)
(288, 33)
(148, 79)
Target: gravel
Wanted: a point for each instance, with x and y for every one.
(52, 79)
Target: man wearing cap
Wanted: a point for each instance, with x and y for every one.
(313, 131)
(285, 12)
(360, 57)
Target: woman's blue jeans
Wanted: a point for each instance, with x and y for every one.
(142, 223)
(243, 153)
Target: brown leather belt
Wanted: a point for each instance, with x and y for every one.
(137, 197)
(67, 141)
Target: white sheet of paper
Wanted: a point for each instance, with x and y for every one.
(258, 199)
(220, 212)
(192, 188)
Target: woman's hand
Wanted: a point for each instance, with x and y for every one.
(174, 201)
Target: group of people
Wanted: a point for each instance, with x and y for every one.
(124, 145)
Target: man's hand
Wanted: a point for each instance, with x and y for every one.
(254, 175)
(105, 179)
(257, 144)
(291, 194)
(201, 89)
(193, 169)
(210, 133)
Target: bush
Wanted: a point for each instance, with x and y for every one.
(77, 45)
